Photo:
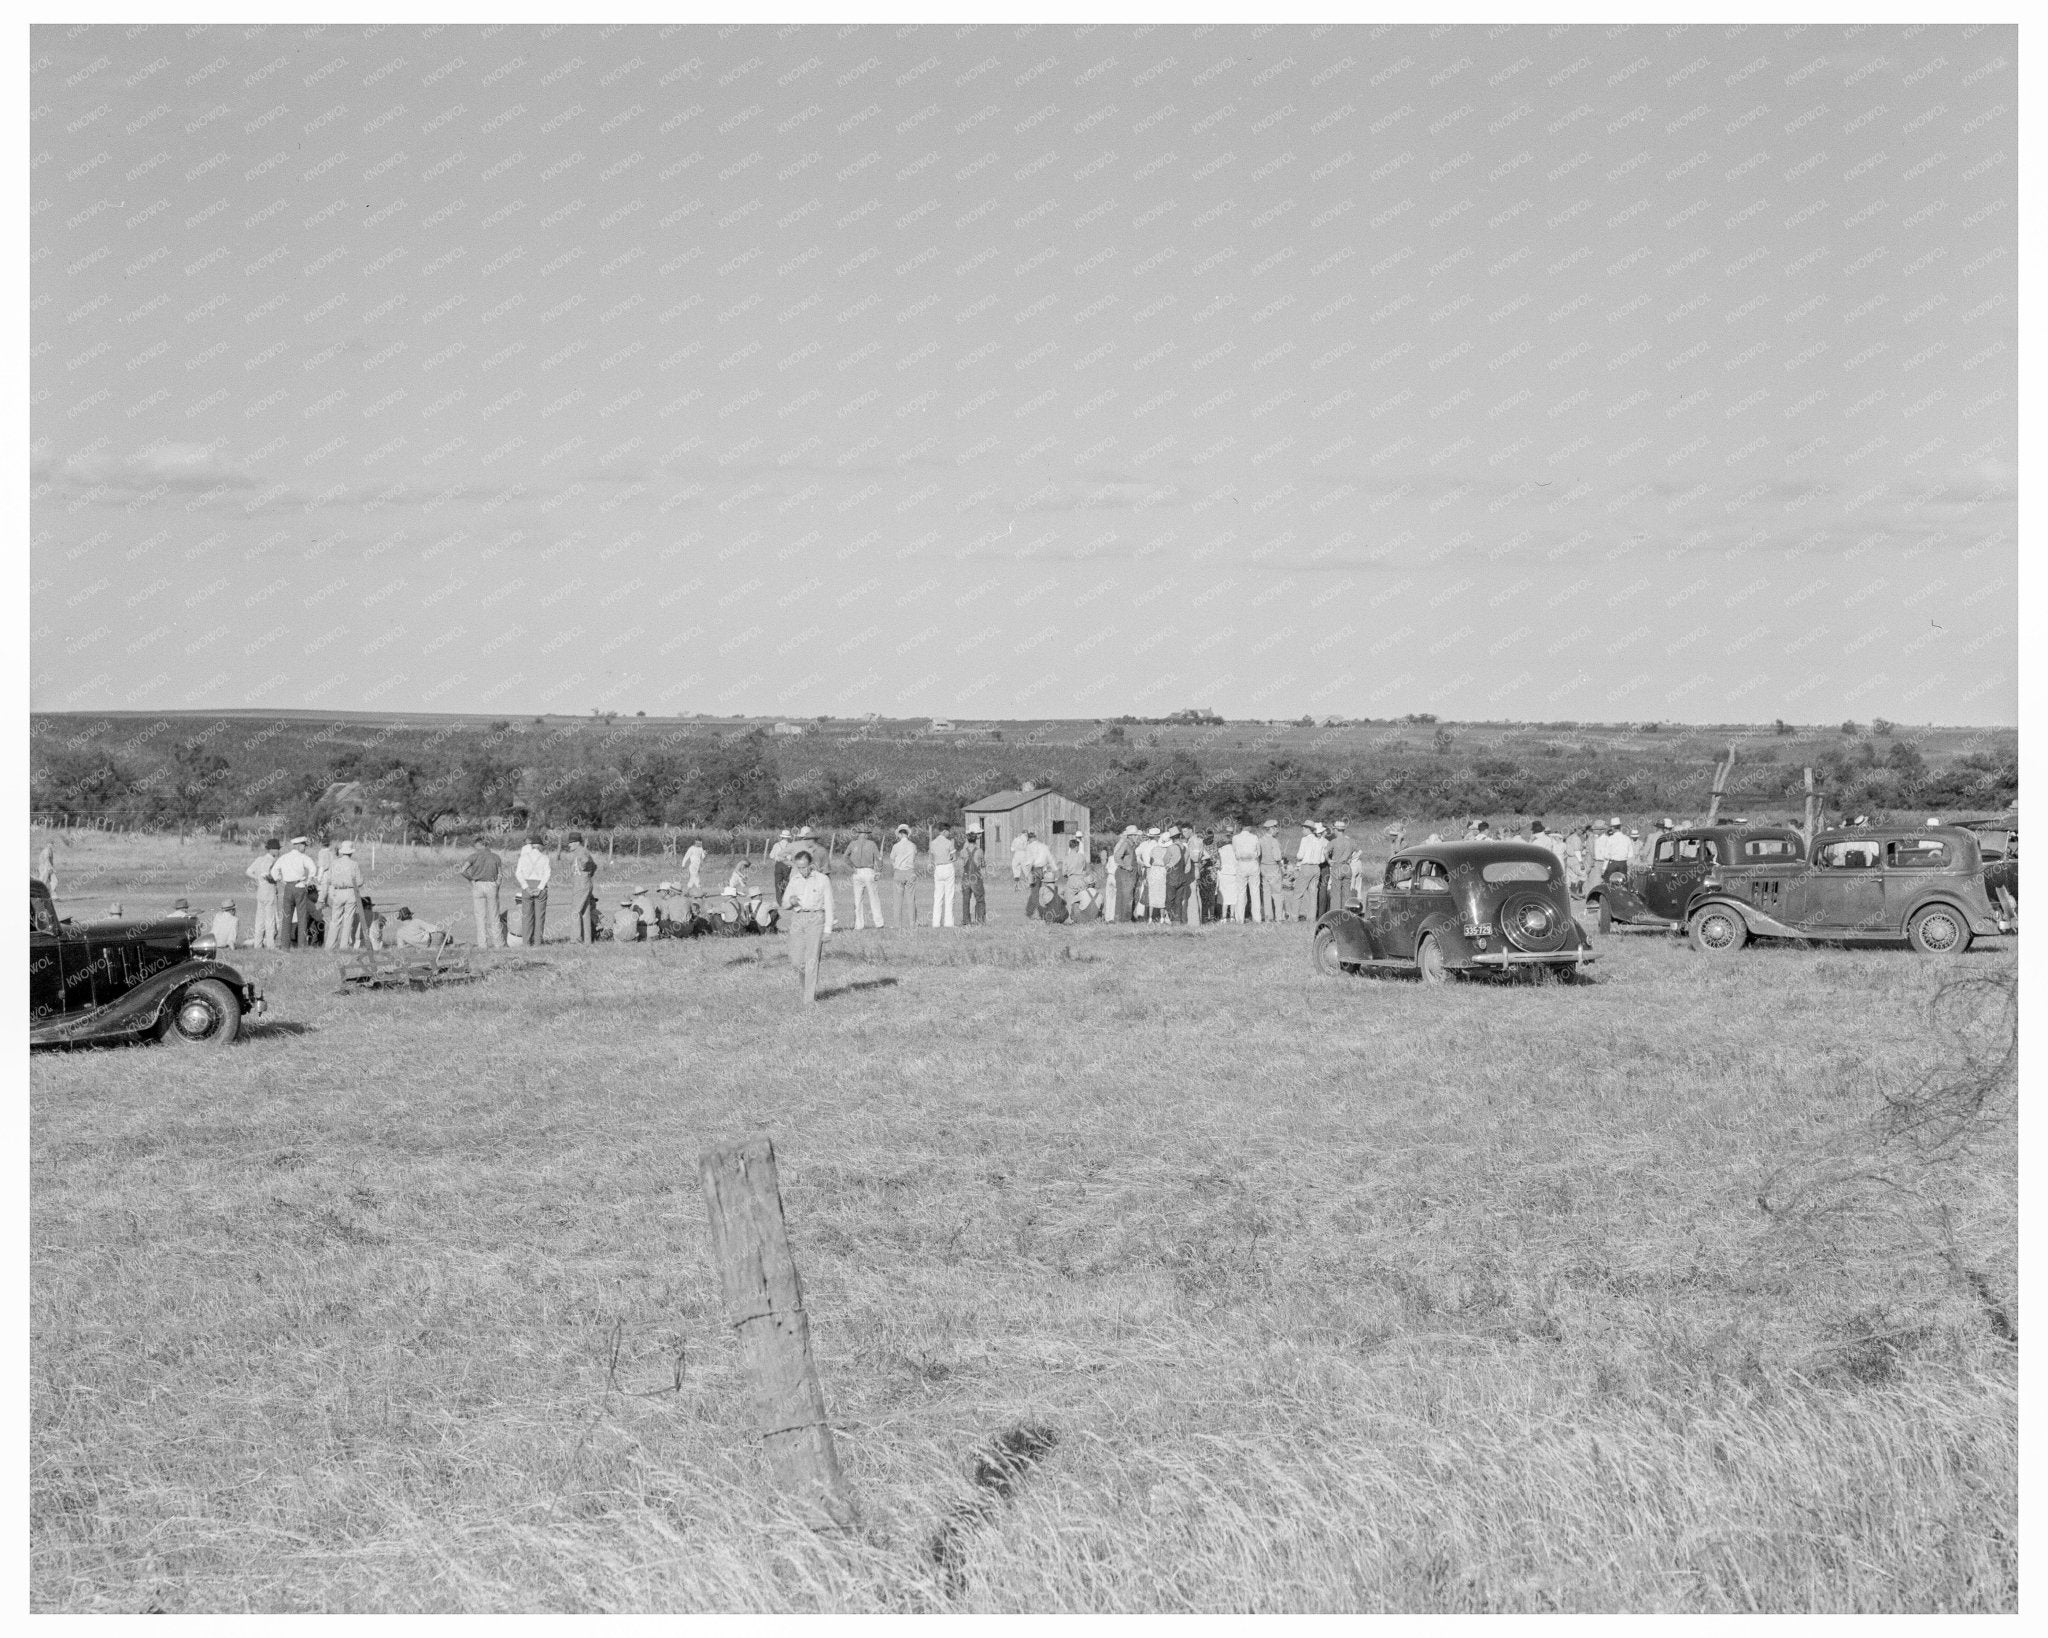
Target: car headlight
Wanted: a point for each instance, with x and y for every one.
(204, 945)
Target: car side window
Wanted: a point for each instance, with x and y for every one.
(1857, 855)
(1695, 850)
(1431, 877)
(42, 916)
(1667, 850)
(1768, 847)
(1919, 853)
(1399, 871)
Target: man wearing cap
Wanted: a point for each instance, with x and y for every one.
(344, 899)
(295, 879)
(1271, 863)
(903, 869)
(864, 856)
(532, 874)
(225, 927)
(972, 865)
(582, 868)
(1612, 852)
(804, 899)
(269, 932)
(481, 870)
(821, 865)
(943, 853)
(1245, 844)
(1312, 859)
(1550, 839)
(1342, 851)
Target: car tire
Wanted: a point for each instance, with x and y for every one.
(1429, 961)
(205, 1013)
(1323, 954)
(1717, 930)
(1938, 931)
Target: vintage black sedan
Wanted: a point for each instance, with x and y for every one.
(128, 980)
(1446, 908)
(1861, 885)
(1659, 894)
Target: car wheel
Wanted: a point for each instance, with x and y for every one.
(204, 1013)
(1718, 930)
(1323, 953)
(1938, 931)
(1429, 960)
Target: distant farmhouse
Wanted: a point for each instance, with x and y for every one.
(789, 728)
(1009, 814)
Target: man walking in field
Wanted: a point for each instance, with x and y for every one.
(583, 889)
(480, 870)
(821, 865)
(269, 929)
(804, 900)
(973, 894)
(942, 877)
(532, 873)
(864, 856)
(903, 865)
(1272, 864)
(693, 862)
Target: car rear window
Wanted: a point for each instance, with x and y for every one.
(1518, 870)
(1770, 847)
(1921, 853)
(1857, 855)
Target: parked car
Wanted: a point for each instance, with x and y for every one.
(1862, 885)
(125, 980)
(1659, 893)
(1458, 907)
(1999, 841)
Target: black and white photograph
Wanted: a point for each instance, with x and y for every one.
(1307, 727)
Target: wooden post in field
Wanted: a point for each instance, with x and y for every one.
(764, 1300)
(1812, 804)
(1720, 784)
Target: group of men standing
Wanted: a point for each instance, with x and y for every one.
(1172, 873)
(297, 891)
(959, 894)
(533, 873)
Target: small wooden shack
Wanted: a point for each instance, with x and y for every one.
(1009, 814)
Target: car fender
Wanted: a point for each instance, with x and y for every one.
(1624, 903)
(142, 1007)
(1354, 943)
(1449, 937)
(1984, 923)
(1759, 924)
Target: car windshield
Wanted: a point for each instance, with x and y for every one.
(1518, 870)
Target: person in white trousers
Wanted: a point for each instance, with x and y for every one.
(942, 851)
(1245, 844)
(865, 856)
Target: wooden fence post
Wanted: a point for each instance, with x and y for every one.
(765, 1304)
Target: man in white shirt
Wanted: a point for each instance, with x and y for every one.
(1311, 855)
(1612, 852)
(693, 862)
(532, 873)
(269, 930)
(1245, 844)
(804, 900)
(1271, 861)
(1037, 867)
(903, 863)
(1550, 839)
(942, 878)
(1229, 888)
(295, 875)
(1018, 844)
(225, 927)
(780, 855)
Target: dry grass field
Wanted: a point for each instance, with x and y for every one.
(1692, 1289)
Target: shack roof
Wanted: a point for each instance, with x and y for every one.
(1008, 801)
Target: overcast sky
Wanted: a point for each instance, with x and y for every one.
(1536, 372)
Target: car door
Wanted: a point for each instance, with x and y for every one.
(1914, 867)
(1845, 892)
(1429, 893)
(1678, 866)
(1384, 909)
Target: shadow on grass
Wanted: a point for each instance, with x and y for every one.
(264, 1028)
(836, 991)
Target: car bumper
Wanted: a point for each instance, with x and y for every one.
(1527, 958)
